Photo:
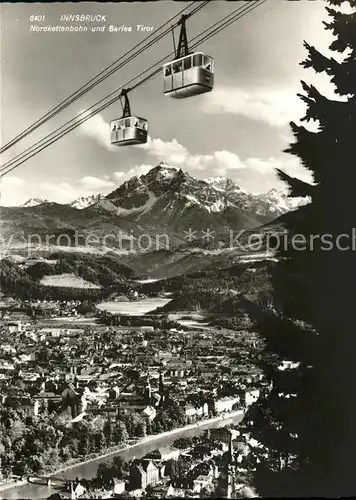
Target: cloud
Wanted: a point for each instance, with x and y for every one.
(175, 154)
(273, 105)
(10, 181)
(95, 183)
(291, 166)
(16, 191)
(97, 128)
(253, 174)
(169, 152)
(137, 170)
(118, 175)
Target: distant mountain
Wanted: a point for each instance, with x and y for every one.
(79, 203)
(278, 202)
(166, 200)
(167, 193)
(224, 184)
(34, 202)
(86, 201)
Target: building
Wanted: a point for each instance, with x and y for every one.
(251, 397)
(150, 413)
(191, 411)
(226, 404)
(119, 486)
(143, 473)
(202, 481)
(146, 328)
(164, 454)
(180, 486)
(223, 434)
(160, 491)
(47, 400)
(28, 405)
(71, 398)
(178, 369)
(76, 490)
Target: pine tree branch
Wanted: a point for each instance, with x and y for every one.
(338, 3)
(319, 108)
(297, 187)
(342, 74)
(318, 61)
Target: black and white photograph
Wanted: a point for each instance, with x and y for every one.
(178, 249)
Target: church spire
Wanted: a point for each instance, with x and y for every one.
(230, 469)
(148, 390)
(230, 482)
(161, 384)
(231, 450)
(161, 387)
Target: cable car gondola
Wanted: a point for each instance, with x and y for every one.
(128, 130)
(188, 74)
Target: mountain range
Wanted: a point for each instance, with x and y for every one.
(165, 200)
(80, 203)
(275, 202)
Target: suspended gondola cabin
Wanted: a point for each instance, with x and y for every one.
(128, 130)
(188, 74)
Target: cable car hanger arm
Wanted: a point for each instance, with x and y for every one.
(182, 49)
(126, 106)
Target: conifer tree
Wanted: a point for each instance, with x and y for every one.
(305, 423)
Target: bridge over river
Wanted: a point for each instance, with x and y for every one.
(52, 481)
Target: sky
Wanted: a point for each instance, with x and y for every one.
(239, 130)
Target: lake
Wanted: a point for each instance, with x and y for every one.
(133, 308)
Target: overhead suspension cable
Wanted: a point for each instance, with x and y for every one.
(105, 73)
(87, 114)
(218, 26)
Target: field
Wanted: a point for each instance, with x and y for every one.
(134, 308)
(67, 280)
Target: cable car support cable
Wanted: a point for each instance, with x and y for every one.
(19, 159)
(50, 140)
(93, 82)
(227, 22)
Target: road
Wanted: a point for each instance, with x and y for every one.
(150, 443)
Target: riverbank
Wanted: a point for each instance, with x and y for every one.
(120, 449)
(73, 463)
(148, 439)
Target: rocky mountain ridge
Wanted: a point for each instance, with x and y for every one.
(166, 200)
(215, 194)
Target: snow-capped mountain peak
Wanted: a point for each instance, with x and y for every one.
(171, 198)
(167, 192)
(164, 165)
(161, 173)
(34, 202)
(280, 202)
(221, 183)
(86, 201)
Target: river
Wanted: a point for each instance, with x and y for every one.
(33, 491)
